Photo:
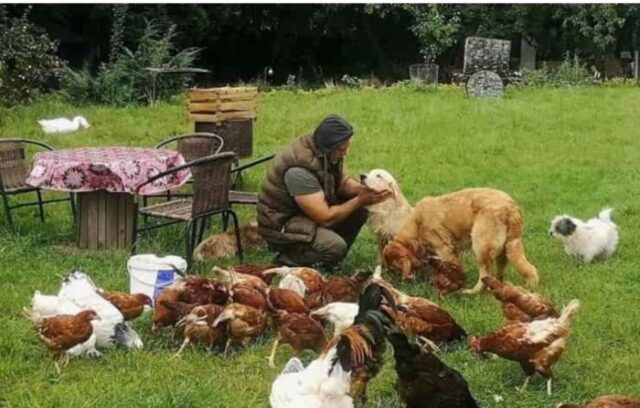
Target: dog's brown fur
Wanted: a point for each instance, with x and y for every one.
(442, 225)
(223, 245)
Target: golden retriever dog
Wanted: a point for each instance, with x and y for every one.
(442, 226)
(223, 244)
(385, 218)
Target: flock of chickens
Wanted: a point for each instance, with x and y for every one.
(238, 304)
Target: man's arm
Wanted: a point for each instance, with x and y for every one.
(316, 208)
(349, 188)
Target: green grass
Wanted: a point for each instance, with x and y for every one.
(555, 151)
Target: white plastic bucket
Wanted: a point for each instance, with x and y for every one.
(150, 274)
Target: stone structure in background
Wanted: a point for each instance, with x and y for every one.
(527, 55)
(486, 54)
(426, 73)
(485, 84)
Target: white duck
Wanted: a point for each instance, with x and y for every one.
(63, 125)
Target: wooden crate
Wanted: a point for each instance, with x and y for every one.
(216, 105)
(237, 135)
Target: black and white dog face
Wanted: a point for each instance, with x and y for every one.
(562, 226)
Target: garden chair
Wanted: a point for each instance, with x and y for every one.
(191, 146)
(14, 170)
(196, 145)
(211, 183)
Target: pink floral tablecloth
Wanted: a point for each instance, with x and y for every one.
(115, 169)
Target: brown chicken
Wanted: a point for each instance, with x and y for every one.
(299, 331)
(248, 295)
(257, 270)
(62, 332)
(421, 317)
(194, 290)
(315, 300)
(361, 347)
(286, 300)
(176, 310)
(518, 304)
(203, 291)
(231, 277)
(312, 279)
(243, 323)
(341, 289)
(607, 401)
(131, 306)
(446, 277)
(162, 315)
(198, 327)
(536, 345)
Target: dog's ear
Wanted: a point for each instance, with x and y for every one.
(395, 192)
(565, 227)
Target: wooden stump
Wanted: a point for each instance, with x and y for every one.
(105, 220)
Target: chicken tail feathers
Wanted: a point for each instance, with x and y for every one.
(371, 299)
(294, 365)
(570, 311)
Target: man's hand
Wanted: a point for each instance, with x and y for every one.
(367, 196)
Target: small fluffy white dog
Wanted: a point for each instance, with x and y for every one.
(596, 237)
(386, 218)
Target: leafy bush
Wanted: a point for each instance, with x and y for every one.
(352, 81)
(126, 81)
(568, 73)
(28, 64)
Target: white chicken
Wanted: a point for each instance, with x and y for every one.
(324, 383)
(63, 125)
(339, 314)
(111, 330)
(43, 306)
(293, 283)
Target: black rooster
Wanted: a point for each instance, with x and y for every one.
(424, 381)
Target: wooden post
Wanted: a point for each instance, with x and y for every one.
(636, 65)
(105, 220)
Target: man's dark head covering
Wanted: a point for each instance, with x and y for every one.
(332, 132)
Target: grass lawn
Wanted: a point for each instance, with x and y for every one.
(554, 151)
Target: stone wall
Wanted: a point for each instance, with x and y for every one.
(486, 54)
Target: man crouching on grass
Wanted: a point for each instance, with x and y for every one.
(309, 210)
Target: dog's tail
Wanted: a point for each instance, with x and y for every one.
(514, 249)
(605, 215)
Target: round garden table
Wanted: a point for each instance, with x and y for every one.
(105, 179)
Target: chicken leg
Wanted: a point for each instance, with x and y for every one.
(272, 357)
(227, 346)
(524, 386)
(549, 386)
(185, 343)
(427, 344)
